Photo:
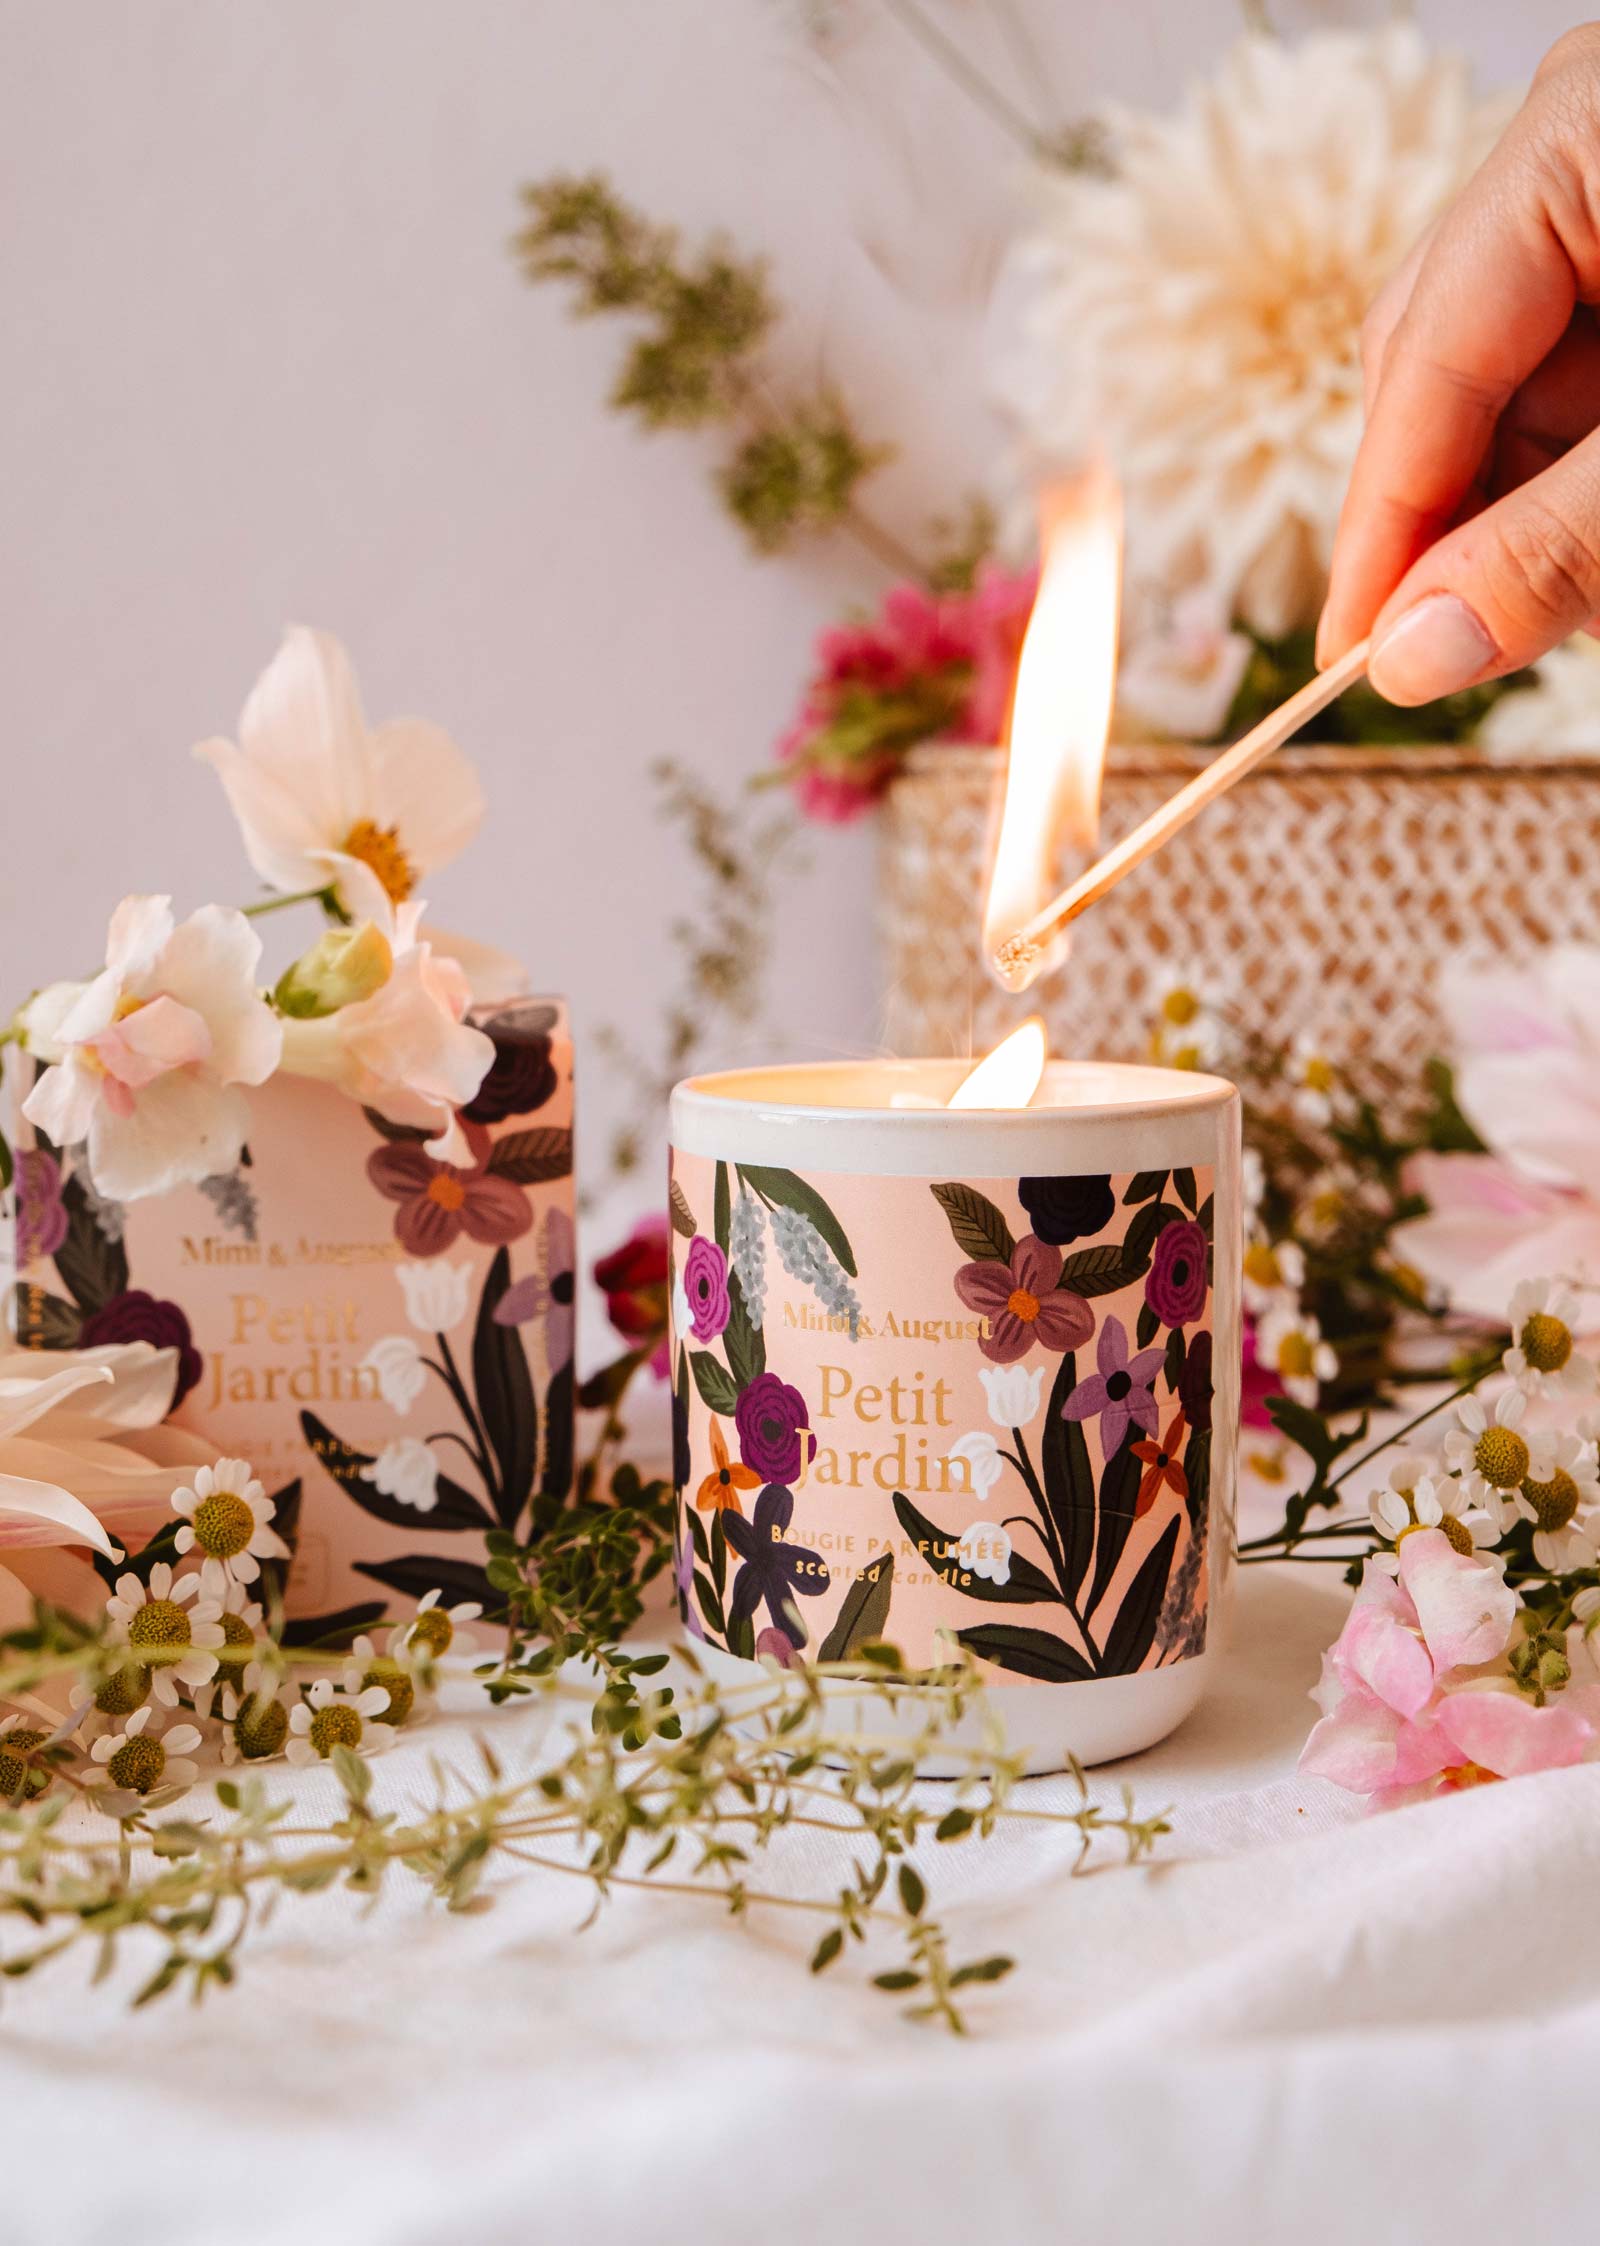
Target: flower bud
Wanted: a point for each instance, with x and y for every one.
(341, 968)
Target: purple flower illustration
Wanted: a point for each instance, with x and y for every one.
(776, 1645)
(774, 1421)
(137, 1316)
(1195, 1384)
(1063, 1209)
(41, 1216)
(521, 1077)
(1176, 1286)
(705, 1282)
(774, 1570)
(1120, 1392)
(549, 1296)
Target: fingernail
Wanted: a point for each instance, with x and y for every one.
(1436, 648)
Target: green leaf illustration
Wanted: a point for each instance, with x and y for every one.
(1146, 1327)
(1133, 1632)
(505, 1397)
(744, 1341)
(1184, 1187)
(1030, 1653)
(1175, 1358)
(332, 1633)
(714, 1381)
(1068, 1479)
(1140, 1238)
(980, 1230)
(1144, 1187)
(419, 1573)
(1104, 1270)
(456, 1508)
(1119, 1494)
(93, 1269)
(864, 1612)
(1197, 1469)
(1027, 1586)
(782, 1189)
(556, 1479)
(682, 1215)
(532, 1157)
(721, 1208)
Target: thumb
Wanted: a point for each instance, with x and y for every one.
(1499, 591)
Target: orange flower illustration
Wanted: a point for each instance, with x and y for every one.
(719, 1492)
(1161, 1464)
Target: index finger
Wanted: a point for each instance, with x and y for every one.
(1493, 295)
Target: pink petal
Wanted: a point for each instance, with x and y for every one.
(161, 1036)
(1064, 1322)
(1037, 1266)
(1510, 1736)
(985, 1287)
(496, 1211)
(1378, 1650)
(1465, 1608)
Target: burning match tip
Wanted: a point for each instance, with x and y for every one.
(1016, 962)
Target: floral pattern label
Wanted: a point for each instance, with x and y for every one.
(964, 1410)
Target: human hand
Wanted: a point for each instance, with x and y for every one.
(1469, 542)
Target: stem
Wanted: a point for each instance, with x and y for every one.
(291, 897)
(1377, 1449)
(450, 1374)
(882, 544)
(1058, 1557)
(963, 72)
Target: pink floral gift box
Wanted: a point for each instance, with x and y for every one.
(386, 1336)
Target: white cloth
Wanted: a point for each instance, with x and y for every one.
(1300, 2023)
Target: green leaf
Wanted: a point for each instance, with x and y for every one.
(984, 1969)
(980, 1230)
(714, 1381)
(1146, 1326)
(864, 1612)
(954, 1824)
(682, 1215)
(902, 1978)
(1104, 1270)
(1068, 1480)
(505, 1396)
(1187, 1191)
(1176, 1350)
(827, 1949)
(744, 1341)
(1028, 1653)
(782, 1189)
(1133, 1632)
(1144, 1187)
(1119, 1494)
(93, 1269)
(456, 1507)
(913, 1894)
(1140, 1238)
(532, 1157)
(721, 1209)
(1027, 1586)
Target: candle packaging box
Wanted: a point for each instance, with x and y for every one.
(386, 1337)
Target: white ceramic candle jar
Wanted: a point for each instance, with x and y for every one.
(961, 1376)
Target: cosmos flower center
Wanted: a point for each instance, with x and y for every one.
(448, 1192)
(1553, 1502)
(379, 850)
(222, 1524)
(160, 1622)
(1546, 1342)
(138, 1764)
(1023, 1305)
(1501, 1457)
(335, 1726)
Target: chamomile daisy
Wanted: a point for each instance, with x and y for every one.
(434, 1629)
(21, 1777)
(330, 1717)
(367, 1667)
(1560, 1495)
(239, 1671)
(1544, 1353)
(227, 1519)
(1291, 1346)
(260, 1726)
(146, 1754)
(1274, 1273)
(1416, 1498)
(172, 1627)
(1490, 1454)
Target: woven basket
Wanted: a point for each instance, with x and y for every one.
(1323, 894)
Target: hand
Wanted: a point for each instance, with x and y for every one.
(1469, 543)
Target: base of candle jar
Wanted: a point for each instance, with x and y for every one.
(1098, 1722)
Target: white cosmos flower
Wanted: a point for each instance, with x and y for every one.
(171, 1624)
(1543, 1354)
(326, 802)
(436, 1293)
(402, 1376)
(330, 1717)
(227, 1519)
(146, 1060)
(1013, 1392)
(1561, 1497)
(146, 1754)
(980, 1454)
(985, 1549)
(407, 1471)
(1490, 1455)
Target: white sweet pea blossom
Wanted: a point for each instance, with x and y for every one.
(436, 1294)
(402, 1376)
(146, 1059)
(325, 801)
(407, 1471)
(980, 1454)
(1013, 1392)
(985, 1549)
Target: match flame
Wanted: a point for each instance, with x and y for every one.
(1061, 709)
(1009, 1076)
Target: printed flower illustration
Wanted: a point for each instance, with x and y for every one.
(719, 1492)
(549, 1295)
(137, 1316)
(633, 1279)
(775, 1645)
(1162, 1467)
(439, 1201)
(1120, 1393)
(980, 1454)
(705, 1285)
(402, 1376)
(774, 1570)
(1013, 1392)
(1175, 1287)
(406, 1470)
(985, 1549)
(774, 1424)
(436, 1294)
(1023, 1303)
(324, 801)
(146, 1060)
(521, 1078)
(41, 1214)
(1195, 1385)
(1063, 1209)
(226, 1517)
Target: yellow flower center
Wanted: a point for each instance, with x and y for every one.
(1501, 1457)
(1261, 1264)
(379, 849)
(262, 1727)
(337, 1725)
(1318, 1075)
(238, 1644)
(1023, 1305)
(222, 1524)
(121, 1693)
(160, 1622)
(1554, 1502)
(137, 1765)
(1464, 1774)
(17, 1774)
(1294, 1357)
(434, 1629)
(447, 1191)
(402, 1692)
(1455, 1533)
(1546, 1342)
(1180, 1007)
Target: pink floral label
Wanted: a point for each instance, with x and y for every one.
(927, 1411)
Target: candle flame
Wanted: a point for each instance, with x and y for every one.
(1009, 1076)
(1061, 708)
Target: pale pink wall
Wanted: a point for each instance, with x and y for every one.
(263, 356)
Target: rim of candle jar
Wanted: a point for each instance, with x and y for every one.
(816, 1115)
